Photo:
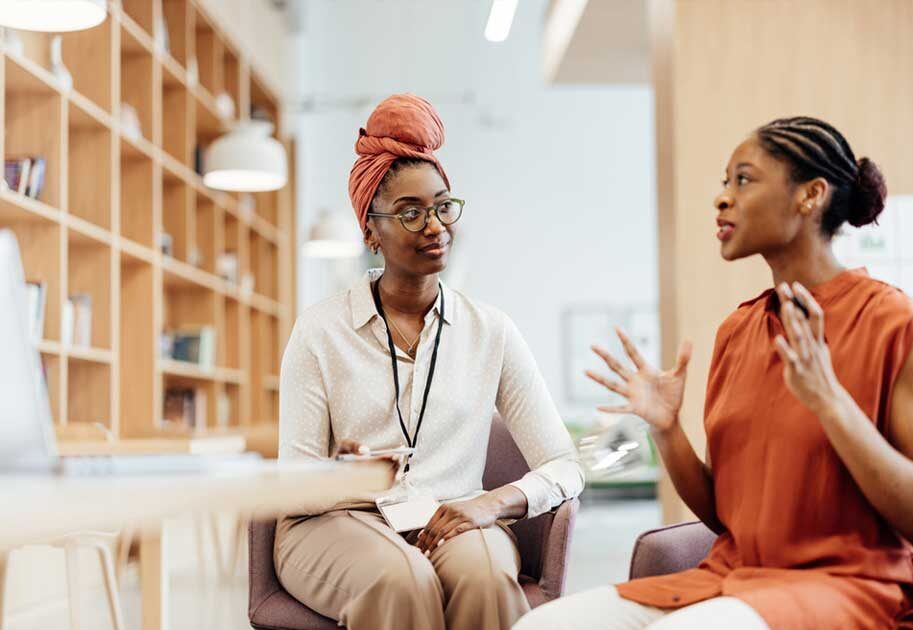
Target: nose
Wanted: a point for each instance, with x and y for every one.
(723, 201)
(434, 225)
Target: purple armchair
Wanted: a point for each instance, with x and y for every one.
(544, 544)
(670, 549)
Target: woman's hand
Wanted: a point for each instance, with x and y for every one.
(807, 367)
(352, 447)
(453, 519)
(653, 395)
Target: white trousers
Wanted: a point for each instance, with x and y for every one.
(603, 609)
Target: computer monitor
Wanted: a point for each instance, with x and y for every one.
(27, 438)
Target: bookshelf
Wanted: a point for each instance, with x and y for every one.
(121, 149)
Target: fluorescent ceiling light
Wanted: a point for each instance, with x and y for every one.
(55, 16)
(246, 159)
(500, 19)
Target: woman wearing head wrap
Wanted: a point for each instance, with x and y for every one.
(400, 359)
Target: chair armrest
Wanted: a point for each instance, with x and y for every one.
(545, 544)
(262, 579)
(670, 549)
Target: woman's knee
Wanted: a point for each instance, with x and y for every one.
(405, 578)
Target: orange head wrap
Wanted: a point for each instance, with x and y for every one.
(402, 126)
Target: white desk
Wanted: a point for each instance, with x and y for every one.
(35, 509)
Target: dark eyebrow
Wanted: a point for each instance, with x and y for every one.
(417, 200)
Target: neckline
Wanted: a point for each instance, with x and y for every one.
(824, 292)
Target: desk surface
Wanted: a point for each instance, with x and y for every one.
(36, 509)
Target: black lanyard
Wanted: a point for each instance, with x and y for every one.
(375, 291)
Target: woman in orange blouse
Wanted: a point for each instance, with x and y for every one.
(809, 418)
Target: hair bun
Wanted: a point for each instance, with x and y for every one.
(868, 196)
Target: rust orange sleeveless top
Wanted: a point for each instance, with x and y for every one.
(803, 546)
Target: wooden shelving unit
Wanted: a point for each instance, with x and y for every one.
(109, 195)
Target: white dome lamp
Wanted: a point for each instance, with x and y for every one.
(246, 159)
(333, 235)
(53, 16)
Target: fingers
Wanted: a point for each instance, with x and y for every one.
(615, 408)
(815, 312)
(352, 447)
(608, 383)
(436, 536)
(684, 356)
(424, 536)
(613, 363)
(787, 354)
(631, 349)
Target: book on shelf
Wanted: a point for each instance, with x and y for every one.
(37, 302)
(76, 320)
(184, 407)
(25, 175)
(191, 344)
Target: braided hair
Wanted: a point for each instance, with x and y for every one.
(813, 148)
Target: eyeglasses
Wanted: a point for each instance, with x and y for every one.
(415, 218)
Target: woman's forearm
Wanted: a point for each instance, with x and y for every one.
(689, 475)
(506, 502)
(883, 474)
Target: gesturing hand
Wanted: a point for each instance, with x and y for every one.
(655, 396)
(453, 519)
(807, 367)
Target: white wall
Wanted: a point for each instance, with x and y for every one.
(559, 181)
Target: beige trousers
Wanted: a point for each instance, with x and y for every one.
(350, 566)
(603, 609)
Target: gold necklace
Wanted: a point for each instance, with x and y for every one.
(410, 351)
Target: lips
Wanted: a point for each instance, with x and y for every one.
(726, 229)
(435, 249)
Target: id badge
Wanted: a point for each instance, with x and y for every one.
(407, 509)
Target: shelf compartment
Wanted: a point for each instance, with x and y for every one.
(177, 123)
(231, 75)
(176, 215)
(177, 21)
(270, 347)
(205, 390)
(137, 84)
(263, 104)
(88, 392)
(230, 339)
(40, 247)
(137, 190)
(208, 48)
(256, 340)
(89, 273)
(267, 206)
(88, 56)
(207, 233)
(32, 125)
(90, 164)
(228, 410)
(141, 13)
(138, 339)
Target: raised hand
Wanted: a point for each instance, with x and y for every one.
(656, 396)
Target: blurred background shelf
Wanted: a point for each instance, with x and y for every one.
(123, 223)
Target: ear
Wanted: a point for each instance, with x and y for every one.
(372, 241)
(813, 196)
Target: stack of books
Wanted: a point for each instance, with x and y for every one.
(76, 321)
(25, 175)
(184, 408)
(192, 344)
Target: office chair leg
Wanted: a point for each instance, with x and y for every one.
(72, 556)
(3, 558)
(107, 565)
